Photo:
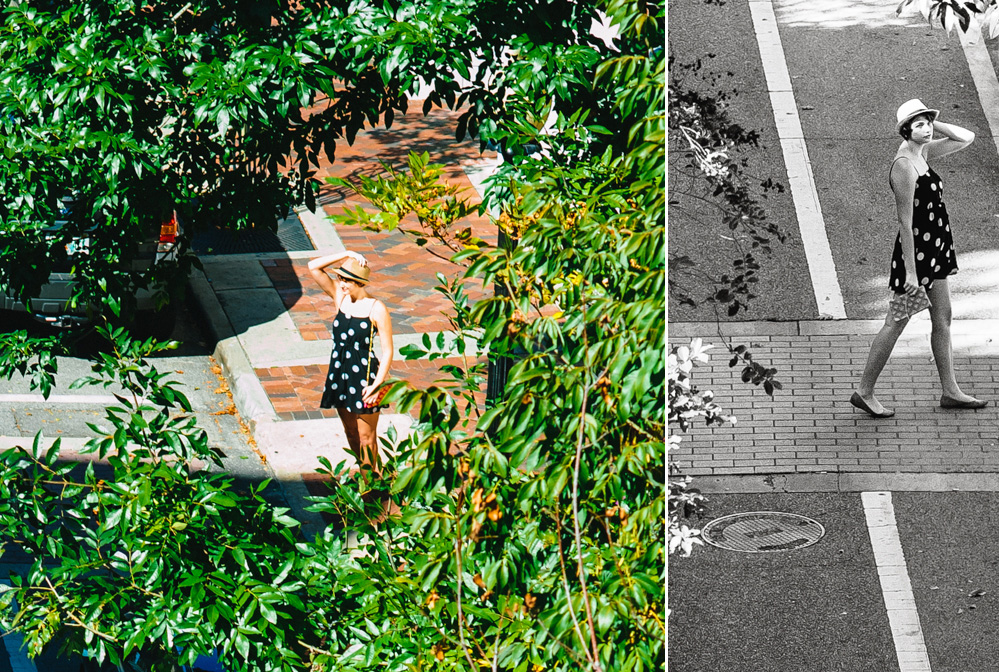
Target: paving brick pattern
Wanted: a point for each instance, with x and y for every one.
(406, 289)
(404, 274)
(810, 426)
(295, 391)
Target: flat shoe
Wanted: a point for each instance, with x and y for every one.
(971, 404)
(859, 402)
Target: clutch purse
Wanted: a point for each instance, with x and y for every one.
(379, 395)
(904, 306)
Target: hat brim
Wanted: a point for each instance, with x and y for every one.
(344, 273)
(933, 116)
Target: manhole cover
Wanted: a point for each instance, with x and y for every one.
(762, 532)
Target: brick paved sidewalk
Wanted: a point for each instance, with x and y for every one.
(810, 426)
(404, 274)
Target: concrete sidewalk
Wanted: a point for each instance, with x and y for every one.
(269, 318)
(809, 438)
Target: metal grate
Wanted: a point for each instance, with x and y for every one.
(290, 236)
(762, 532)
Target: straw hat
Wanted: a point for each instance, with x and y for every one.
(912, 108)
(353, 270)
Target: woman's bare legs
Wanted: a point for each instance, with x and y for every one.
(940, 341)
(881, 349)
(362, 438)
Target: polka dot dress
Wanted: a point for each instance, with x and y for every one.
(934, 245)
(349, 364)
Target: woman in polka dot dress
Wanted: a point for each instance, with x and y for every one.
(355, 372)
(925, 244)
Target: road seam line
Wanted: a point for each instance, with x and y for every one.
(896, 589)
(818, 254)
(105, 400)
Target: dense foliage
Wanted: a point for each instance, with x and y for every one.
(967, 16)
(525, 535)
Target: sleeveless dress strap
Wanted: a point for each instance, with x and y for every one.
(892, 166)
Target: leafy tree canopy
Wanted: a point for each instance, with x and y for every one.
(221, 110)
(526, 536)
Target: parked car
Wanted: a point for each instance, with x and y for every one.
(53, 303)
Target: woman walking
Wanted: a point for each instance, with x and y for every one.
(924, 254)
(355, 372)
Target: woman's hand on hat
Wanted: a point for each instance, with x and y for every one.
(357, 257)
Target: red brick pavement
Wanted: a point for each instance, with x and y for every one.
(407, 290)
(810, 426)
(404, 274)
(295, 391)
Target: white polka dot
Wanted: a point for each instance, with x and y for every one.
(925, 281)
(360, 405)
(348, 354)
(336, 364)
(915, 202)
(336, 323)
(350, 331)
(931, 216)
(364, 360)
(915, 231)
(933, 261)
(331, 376)
(343, 337)
(930, 205)
(364, 325)
(920, 256)
(937, 269)
(933, 187)
(357, 346)
(356, 370)
(926, 236)
(352, 390)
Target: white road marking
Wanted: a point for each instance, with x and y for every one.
(825, 282)
(895, 586)
(984, 76)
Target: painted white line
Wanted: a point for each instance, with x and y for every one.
(910, 648)
(825, 283)
(102, 399)
(984, 76)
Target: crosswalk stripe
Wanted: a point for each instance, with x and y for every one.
(906, 631)
(986, 84)
(821, 267)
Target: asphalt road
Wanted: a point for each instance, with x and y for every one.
(850, 67)
(821, 608)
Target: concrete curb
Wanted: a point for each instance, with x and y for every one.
(247, 392)
(804, 328)
(848, 482)
(320, 230)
